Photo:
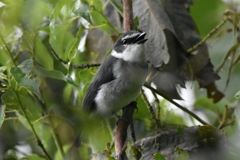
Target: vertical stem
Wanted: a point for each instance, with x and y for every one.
(126, 120)
(54, 134)
(9, 52)
(33, 130)
(127, 15)
(208, 36)
(56, 139)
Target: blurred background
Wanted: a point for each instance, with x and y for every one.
(26, 28)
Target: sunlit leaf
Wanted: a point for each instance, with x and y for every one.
(118, 6)
(23, 76)
(82, 9)
(100, 20)
(32, 157)
(74, 49)
(2, 114)
(237, 95)
(71, 81)
(159, 156)
(10, 99)
(96, 3)
(49, 73)
(42, 54)
(11, 154)
(2, 69)
(60, 39)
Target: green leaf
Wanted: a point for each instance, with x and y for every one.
(2, 69)
(237, 95)
(74, 49)
(2, 114)
(42, 55)
(10, 99)
(100, 20)
(11, 154)
(118, 6)
(56, 11)
(49, 73)
(82, 10)
(32, 157)
(180, 130)
(183, 154)
(70, 81)
(136, 23)
(159, 156)
(97, 4)
(60, 39)
(54, 74)
(24, 78)
(142, 109)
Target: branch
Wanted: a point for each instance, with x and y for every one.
(126, 120)
(127, 15)
(74, 66)
(144, 97)
(39, 142)
(177, 105)
(208, 36)
(121, 132)
(8, 50)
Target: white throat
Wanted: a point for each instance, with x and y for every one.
(132, 53)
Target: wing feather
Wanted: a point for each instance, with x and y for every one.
(104, 75)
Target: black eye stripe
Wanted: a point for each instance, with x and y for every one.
(129, 40)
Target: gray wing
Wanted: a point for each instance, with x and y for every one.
(104, 75)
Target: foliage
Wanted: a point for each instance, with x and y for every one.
(41, 97)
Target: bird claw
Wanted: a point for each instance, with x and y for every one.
(119, 118)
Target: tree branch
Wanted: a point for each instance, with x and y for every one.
(127, 15)
(74, 66)
(150, 108)
(208, 36)
(39, 142)
(177, 105)
(121, 132)
(126, 120)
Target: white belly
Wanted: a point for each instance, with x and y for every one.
(120, 92)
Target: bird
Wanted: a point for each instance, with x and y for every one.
(120, 77)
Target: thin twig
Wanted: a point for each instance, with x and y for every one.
(158, 107)
(144, 97)
(207, 36)
(225, 58)
(85, 66)
(54, 134)
(74, 66)
(177, 105)
(8, 50)
(56, 138)
(121, 131)
(230, 69)
(12, 118)
(39, 142)
(107, 21)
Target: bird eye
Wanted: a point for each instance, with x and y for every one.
(124, 41)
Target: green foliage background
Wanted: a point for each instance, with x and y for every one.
(41, 97)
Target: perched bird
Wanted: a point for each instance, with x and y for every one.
(120, 77)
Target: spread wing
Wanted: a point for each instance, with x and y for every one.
(104, 75)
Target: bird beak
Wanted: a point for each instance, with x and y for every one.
(140, 39)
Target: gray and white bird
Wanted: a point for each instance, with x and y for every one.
(120, 77)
